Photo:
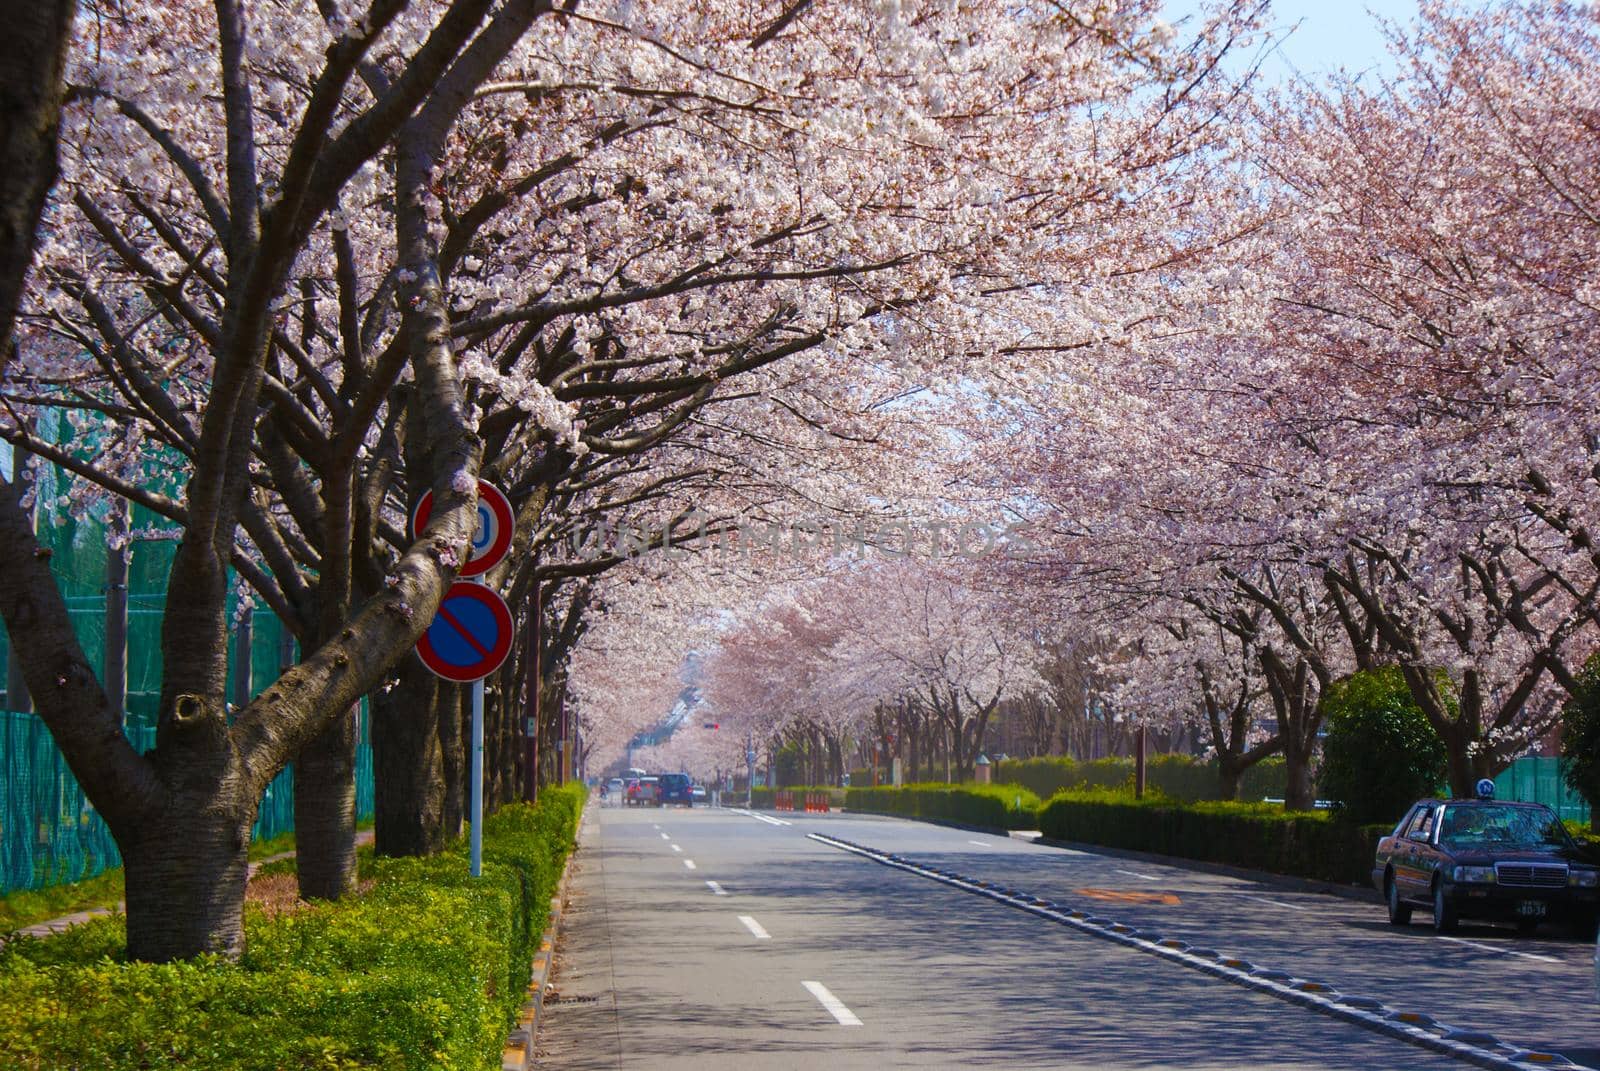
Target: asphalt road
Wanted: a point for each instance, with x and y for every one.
(802, 955)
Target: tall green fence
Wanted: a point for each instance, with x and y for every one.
(1538, 780)
(48, 832)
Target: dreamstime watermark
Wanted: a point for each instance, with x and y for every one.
(741, 538)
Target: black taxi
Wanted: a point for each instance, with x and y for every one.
(1487, 859)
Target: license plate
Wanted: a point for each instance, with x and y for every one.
(1532, 909)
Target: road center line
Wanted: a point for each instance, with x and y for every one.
(755, 928)
(664, 836)
(1502, 951)
(1274, 903)
(676, 848)
(981, 843)
(833, 1004)
(718, 889)
(1136, 874)
(689, 863)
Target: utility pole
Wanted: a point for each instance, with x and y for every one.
(750, 768)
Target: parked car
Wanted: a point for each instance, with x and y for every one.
(615, 788)
(1487, 859)
(676, 788)
(699, 793)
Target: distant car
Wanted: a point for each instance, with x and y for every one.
(676, 788)
(615, 788)
(1487, 859)
(698, 792)
(644, 792)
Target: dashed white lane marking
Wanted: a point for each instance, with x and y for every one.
(664, 836)
(755, 928)
(1141, 877)
(833, 1004)
(1274, 903)
(676, 848)
(981, 843)
(1502, 951)
(689, 863)
(718, 889)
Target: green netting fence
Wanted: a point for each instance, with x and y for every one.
(1538, 780)
(49, 833)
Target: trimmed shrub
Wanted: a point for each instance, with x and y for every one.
(1179, 777)
(1380, 754)
(993, 806)
(425, 971)
(1255, 835)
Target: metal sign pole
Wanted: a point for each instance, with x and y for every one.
(477, 777)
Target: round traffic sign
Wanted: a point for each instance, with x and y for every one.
(470, 635)
(491, 539)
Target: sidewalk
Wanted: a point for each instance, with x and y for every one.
(56, 925)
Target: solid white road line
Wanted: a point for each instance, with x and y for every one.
(981, 843)
(689, 863)
(833, 1004)
(1502, 951)
(718, 889)
(1136, 874)
(1274, 903)
(756, 928)
(676, 848)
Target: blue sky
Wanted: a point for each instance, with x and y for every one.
(1331, 34)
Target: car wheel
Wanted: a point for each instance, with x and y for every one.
(1444, 912)
(1399, 912)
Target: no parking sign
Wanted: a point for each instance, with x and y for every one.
(491, 539)
(470, 635)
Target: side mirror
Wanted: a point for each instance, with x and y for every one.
(1419, 835)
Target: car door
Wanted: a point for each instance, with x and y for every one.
(1414, 872)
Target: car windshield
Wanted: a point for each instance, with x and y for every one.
(1502, 826)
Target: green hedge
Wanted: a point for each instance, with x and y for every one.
(1178, 777)
(1259, 836)
(995, 806)
(425, 971)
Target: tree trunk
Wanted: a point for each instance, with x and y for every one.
(1229, 772)
(184, 875)
(407, 771)
(452, 755)
(325, 811)
(1300, 794)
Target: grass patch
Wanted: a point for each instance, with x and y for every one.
(29, 907)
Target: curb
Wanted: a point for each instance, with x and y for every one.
(1416, 1028)
(518, 1052)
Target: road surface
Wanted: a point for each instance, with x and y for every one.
(708, 938)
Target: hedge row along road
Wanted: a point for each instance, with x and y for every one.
(777, 950)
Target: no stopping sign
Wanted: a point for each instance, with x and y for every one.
(491, 539)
